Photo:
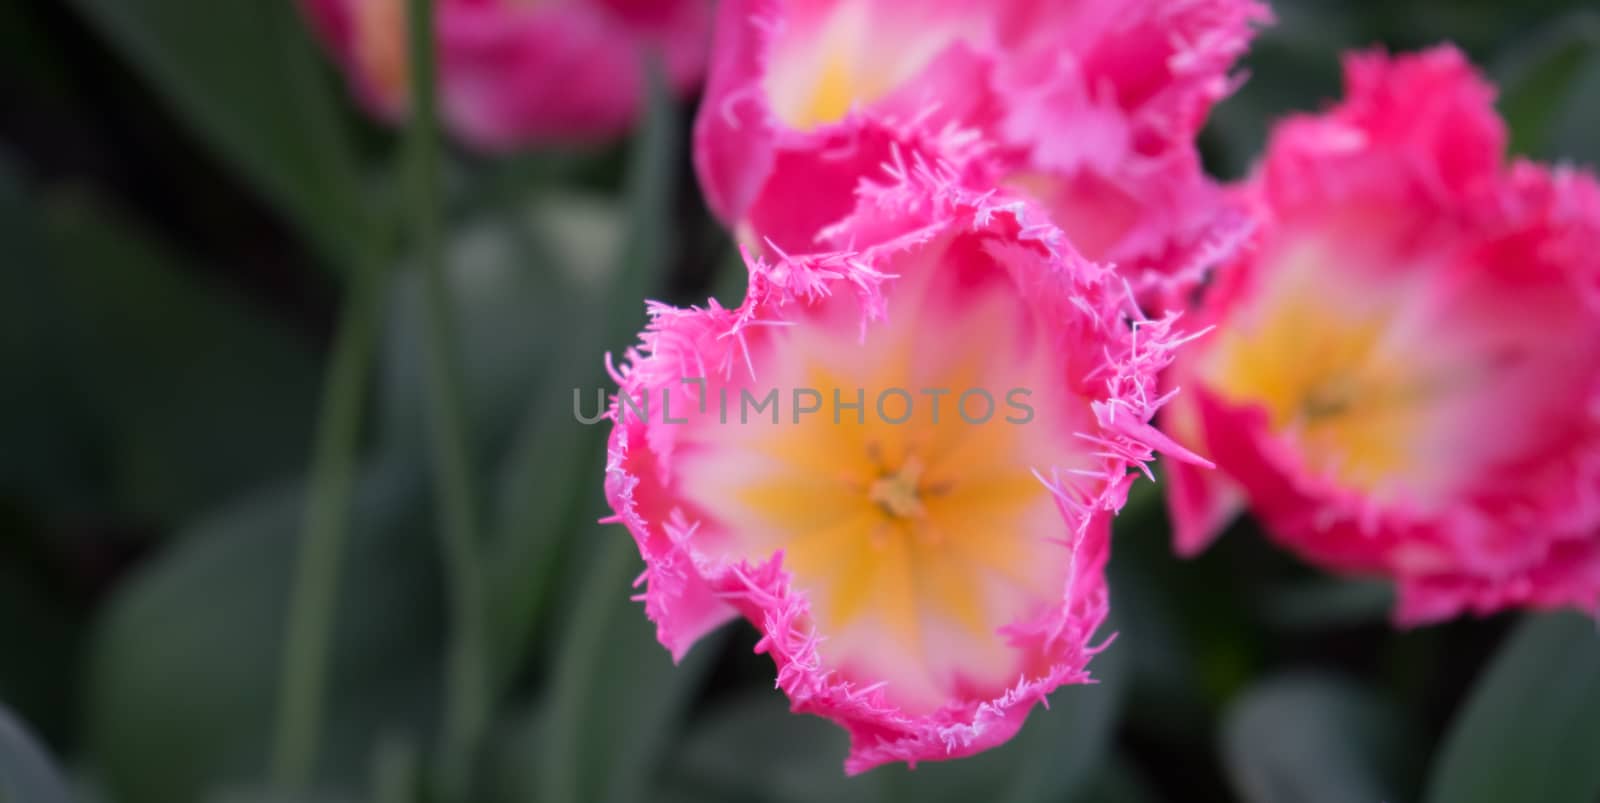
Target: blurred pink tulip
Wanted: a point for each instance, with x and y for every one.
(520, 72)
(1405, 379)
(921, 577)
(1088, 108)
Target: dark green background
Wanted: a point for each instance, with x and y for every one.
(186, 194)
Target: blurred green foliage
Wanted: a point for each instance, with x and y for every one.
(184, 196)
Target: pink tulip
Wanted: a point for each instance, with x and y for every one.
(1090, 109)
(919, 526)
(1405, 380)
(520, 72)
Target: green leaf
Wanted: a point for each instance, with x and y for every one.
(513, 774)
(188, 392)
(1311, 738)
(544, 286)
(40, 639)
(547, 490)
(27, 49)
(550, 478)
(133, 386)
(245, 77)
(1048, 759)
(1572, 131)
(27, 773)
(1116, 782)
(732, 280)
(47, 459)
(530, 285)
(395, 770)
(1180, 623)
(1292, 66)
(510, 312)
(652, 178)
(1550, 82)
(1531, 729)
(250, 794)
(616, 697)
(754, 749)
(183, 668)
(1327, 602)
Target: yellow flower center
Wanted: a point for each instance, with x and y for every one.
(898, 492)
(908, 519)
(914, 532)
(820, 70)
(1325, 364)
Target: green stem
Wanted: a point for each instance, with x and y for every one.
(589, 632)
(394, 770)
(311, 605)
(466, 693)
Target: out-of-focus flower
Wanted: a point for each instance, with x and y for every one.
(1406, 376)
(514, 72)
(917, 518)
(1091, 109)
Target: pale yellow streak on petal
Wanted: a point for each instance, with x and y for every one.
(896, 591)
(821, 553)
(1324, 378)
(837, 87)
(800, 505)
(997, 533)
(950, 589)
(855, 582)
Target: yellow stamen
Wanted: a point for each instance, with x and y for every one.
(835, 90)
(1328, 377)
(896, 521)
(897, 493)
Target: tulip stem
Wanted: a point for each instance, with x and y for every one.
(315, 582)
(394, 770)
(466, 673)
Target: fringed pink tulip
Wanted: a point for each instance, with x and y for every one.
(1090, 109)
(515, 72)
(899, 463)
(1405, 380)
